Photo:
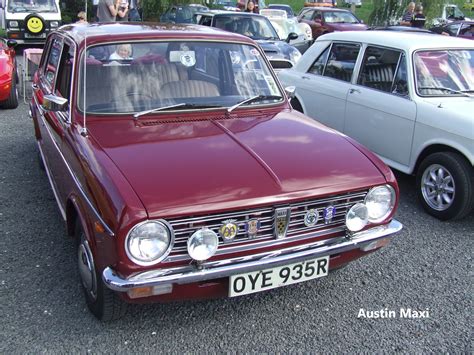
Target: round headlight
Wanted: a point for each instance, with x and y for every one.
(380, 202)
(203, 244)
(13, 24)
(54, 24)
(357, 217)
(149, 242)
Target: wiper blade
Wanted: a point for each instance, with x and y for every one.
(183, 105)
(254, 98)
(441, 88)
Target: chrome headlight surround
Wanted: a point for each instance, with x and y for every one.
(383, 197)
(357, 217)
(163, 233)
(206, 240)
(13, 24)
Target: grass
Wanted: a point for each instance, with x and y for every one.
(362, 12)
(3, 33)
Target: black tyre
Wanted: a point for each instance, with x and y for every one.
(296, 105)
(12, 101)
(102, 302)
(445, 183)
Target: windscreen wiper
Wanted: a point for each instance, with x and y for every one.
(441, 88)
(182, 105)
(254, 98)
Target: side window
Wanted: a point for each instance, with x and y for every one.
(63, 81)
(318, 66)
(400, 84)
(307, 15)
(341, 61)
(52, 61)
(318, 16)
(453, 29)
(378, 68)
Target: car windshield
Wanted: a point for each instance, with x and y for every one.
(32, 6)
(444, 72)
(139, 76)
(255, 27)
(339, 17)
(454, 12)
(289, 10)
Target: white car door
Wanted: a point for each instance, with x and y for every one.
(323, 88)
(379, 112)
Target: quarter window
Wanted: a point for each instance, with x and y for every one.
(63, 82)
(379, 70)
(341, 61)
(318, 66)
(52, 62)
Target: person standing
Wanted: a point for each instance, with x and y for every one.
(418, 19)
(133, 14)
(108, 10)
(122, 13)
(95, 5)
(408, 15)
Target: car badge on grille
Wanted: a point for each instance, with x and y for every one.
(282, 220)
(311, 218)
(228, 230)
(252, 226)
(328, 214)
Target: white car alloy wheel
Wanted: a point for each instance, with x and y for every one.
(438, 187)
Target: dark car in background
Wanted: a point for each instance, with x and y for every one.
(182, 13)
(325, 20)
(463, 29)
(258, 28)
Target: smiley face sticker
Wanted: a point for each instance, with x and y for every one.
(34, 25)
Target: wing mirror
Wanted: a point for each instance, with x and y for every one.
(54, 103)
(290, 92)
(11, 43)
(291, 36)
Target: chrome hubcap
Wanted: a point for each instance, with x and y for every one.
(86, 269)
(437, 187)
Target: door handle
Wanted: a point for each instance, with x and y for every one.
(305, 77)
(351, 91)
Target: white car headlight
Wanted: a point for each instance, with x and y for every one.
(357, 217)
(203, 244)
(295, 55)
(54, 24)
(380, 202)
(149, 242)
(13, 24)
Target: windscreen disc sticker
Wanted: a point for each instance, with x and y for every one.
(187, 58)
(254, 52)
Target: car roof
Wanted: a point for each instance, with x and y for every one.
(116, 31)
(408, 41)
(335, 9)
(232, 13)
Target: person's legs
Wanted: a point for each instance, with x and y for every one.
(133, 15)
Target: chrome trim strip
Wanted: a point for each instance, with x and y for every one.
(53, 187)
(75, 179)
(225, 268)
(266, 242)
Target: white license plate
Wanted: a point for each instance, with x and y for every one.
(28, 35)
(257, 281)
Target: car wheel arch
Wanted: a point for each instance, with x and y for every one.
(435, 148)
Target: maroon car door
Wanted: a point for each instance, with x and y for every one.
(52, 124)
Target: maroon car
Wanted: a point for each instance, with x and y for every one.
(325, 19)
(182, 171)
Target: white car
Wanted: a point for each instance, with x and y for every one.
(284, 26)
(408, 97)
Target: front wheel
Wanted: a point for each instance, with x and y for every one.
(445, 185)
(101, 301)
(12, 101)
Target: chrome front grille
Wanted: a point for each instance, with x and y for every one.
(183, 228)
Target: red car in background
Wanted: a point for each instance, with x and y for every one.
(325, 19)
(8, 75)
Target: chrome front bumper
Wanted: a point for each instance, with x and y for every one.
(225, 268)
